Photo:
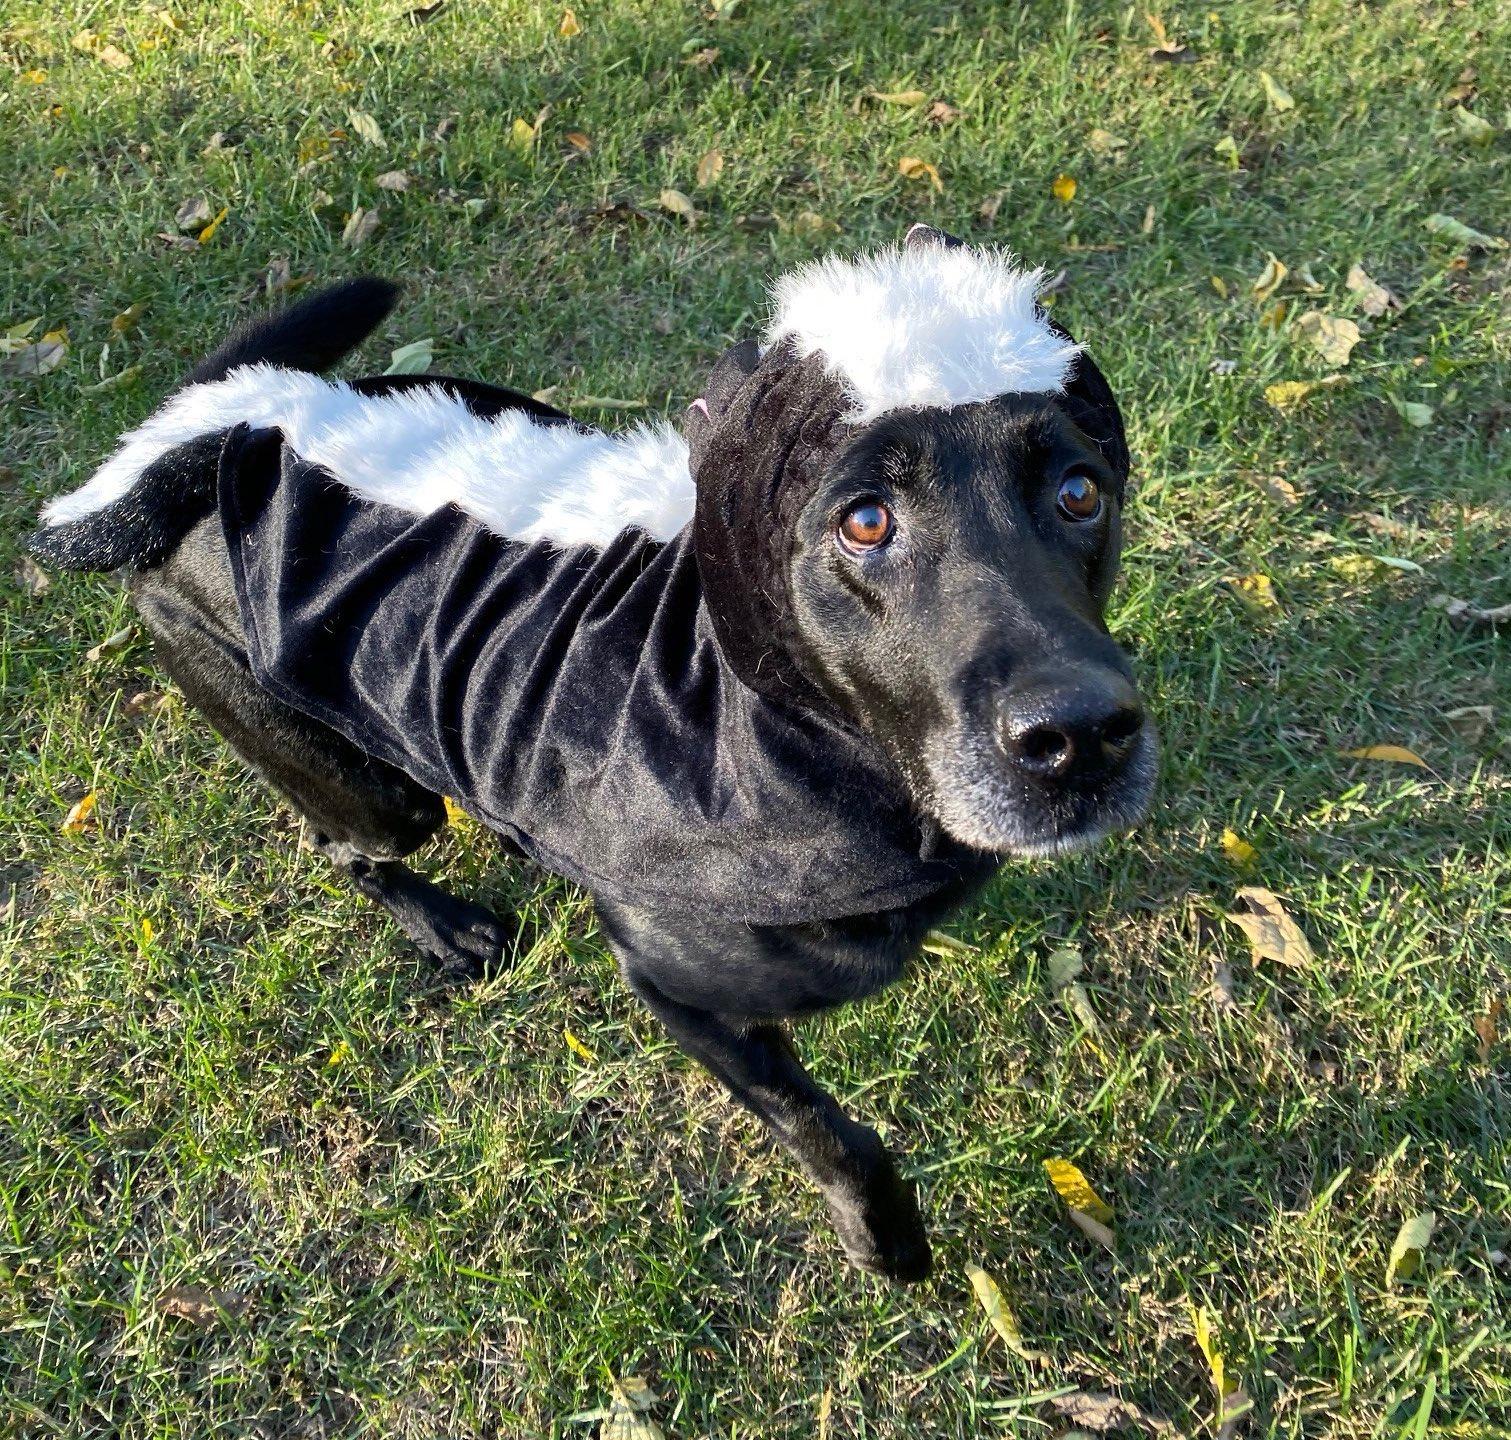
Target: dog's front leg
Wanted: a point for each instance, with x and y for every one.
(874, 1209)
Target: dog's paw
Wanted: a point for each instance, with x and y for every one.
(468, 943)
(881, 1228)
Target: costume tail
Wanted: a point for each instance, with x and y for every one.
(161, 480)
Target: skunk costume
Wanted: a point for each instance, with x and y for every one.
(579, 635)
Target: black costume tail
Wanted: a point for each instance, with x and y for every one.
(177, 487)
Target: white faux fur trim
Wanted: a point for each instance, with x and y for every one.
(924, 325)
(421, 449)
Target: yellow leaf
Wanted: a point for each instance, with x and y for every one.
(899, 97)
(1398, 753)
(1075, 1190)
(1000, 1313)
(1411, 1241)
(947, 947)
(78, 815)
(810, 222)
(912, 168)
(1276, 93)
(1270, 279)
(1227, 149)
(1238, 850)
(339, 1055)
(147, 931)
(1231, 1400)
(1256, 590)
(680, 206)
(127, 319)
(455, 815)
(35, 77)
(1220, 285)
(1104, 142)
(576, 1046)
(1271, 931)
(1287, 394)
(578, 141)
(710, 167)
(1274, 317)
(521, 135)
(208, 233)
(569, 25)
(1064, 189)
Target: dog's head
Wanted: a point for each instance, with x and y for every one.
(909, 512)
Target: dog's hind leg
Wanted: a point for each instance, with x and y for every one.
(363, 813)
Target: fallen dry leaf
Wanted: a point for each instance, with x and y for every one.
(1257, 591)
(79, 813)
(1471, 127)
(578, 141)
(1107, 1412)
(112, 644)
(202, 1308)
(193, 214)
(206, 235)
(1063, 189)
(1462, 234)
(1288, 394)
(678, 204)
(41, 358)
(361, 225)
(366, 127)
(1075, 1190)
(1398, 754)
(941, 112)
(521, 135)
(1271, 931)
(1332, 336)
(393, 180)
(704, 58)
(1413, 412)
(1277, 487)
(576, 1046)
(1232, 1403)
(1487, 1032)
(912, 168)
(31, 576)
(936, 942)
(810, 222)
(1471, 721)
(1104, 142)
(897, 97)
(1000, 1314)
(1410, 1245)
(1461, 612)
(1270, 278)
(570, 25)
(710, 167)
(107, 54)
(1374, 298)
(125, 322)
(1094, 1229)
(1063, 971)
(627, 1417)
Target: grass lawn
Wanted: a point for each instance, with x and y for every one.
(425, 1213)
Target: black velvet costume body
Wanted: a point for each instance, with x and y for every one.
(733, 739)
(575, 700)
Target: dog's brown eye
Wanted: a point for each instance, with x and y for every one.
(1079, 498)
(865, 526)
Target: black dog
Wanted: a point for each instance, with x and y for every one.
(779, 722)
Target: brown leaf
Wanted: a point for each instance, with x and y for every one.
(757, 224)
(1461, 612)
(32, 577)
(360, 227)
(710, 167)
(578, 141)
(1269, 279)
(570, 25)
(177, 242)
(1374, 298)
(1107, 1412)
(702, 59)
(941, 112)
(678, 204)
(1271, 931)
(394, 180)
(201, 1308)
(1487, 1028)
(1398, 754)
(194, 214)
(1471, 721)
(42, 358)
(1333, 336)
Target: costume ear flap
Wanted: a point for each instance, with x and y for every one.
(1089, 400)
(921, 235)
(732, 369)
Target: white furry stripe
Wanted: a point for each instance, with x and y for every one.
(925, 325)
(421, 449)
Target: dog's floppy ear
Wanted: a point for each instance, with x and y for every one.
(1089, 400)
(920, 235)
(732, 369)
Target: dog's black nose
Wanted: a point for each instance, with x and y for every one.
(1083, 724)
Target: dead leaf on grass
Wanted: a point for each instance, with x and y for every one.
(897, 97)
(1276, 95)
(1273, 934)
(1232, 1402)
(1471, 127)
(522, 135)
(89, 43)
(1461, 612)
(1063, 189)
(201, 1308)
(810, 222)
(1166, 51)
(1332, 336)
(394, 180)
(1107, 1412)
(361, 225)
(678, 204)
(206, 235)
(1063, 971)
(194, 214)
(941, 112)
(32, 577)
(910, 167)
(112, 644)
(80, 814)
(1000, 1314)
(366, 127)
(1374, 298)
(42, 358)
(1487, 1031)
(1269, 279)
(1462, 234)
(1471, 721)
(628, 1415)
(570, 26)
(1413, 412)
(710, 167)
(1288, 394)
(1410, 1245)
(1397, 754)
(1087, 1210)
(1238, 850)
